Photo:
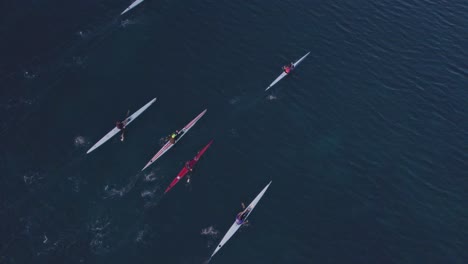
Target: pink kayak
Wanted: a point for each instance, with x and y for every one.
(188, 167)
(169, 145)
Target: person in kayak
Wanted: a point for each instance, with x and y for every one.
(288, 68)
(174, 136)
(189, 164)
(241, 217)
(121, 125)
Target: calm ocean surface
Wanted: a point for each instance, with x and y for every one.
(366, 142)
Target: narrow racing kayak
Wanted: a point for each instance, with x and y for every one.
(188, 167)
(116, 130)
(283, 74)
(236, 226)
(169, 145)
(137, 2)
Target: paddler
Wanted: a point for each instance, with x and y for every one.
(189, 164)
(288, 68)
(120, 125)
(173, 137)
(240, 218)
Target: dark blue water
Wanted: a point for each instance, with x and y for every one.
(365, 142)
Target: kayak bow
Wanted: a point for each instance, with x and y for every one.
(116, 130)
(169, 145)
(137, 2)
(283, 74)
(236, 226)
(185, 170)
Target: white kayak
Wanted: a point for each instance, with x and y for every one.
(283, 74)
(116, 130)
(236, 226)
(169, 145)
(137, 2)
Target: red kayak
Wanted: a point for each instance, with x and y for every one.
(188, 167)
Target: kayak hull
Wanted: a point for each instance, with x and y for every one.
(283, 74)
(134, 4)
(233, 229)
(169, 145)
(126, 122)
(181, 174)
(184, 170)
